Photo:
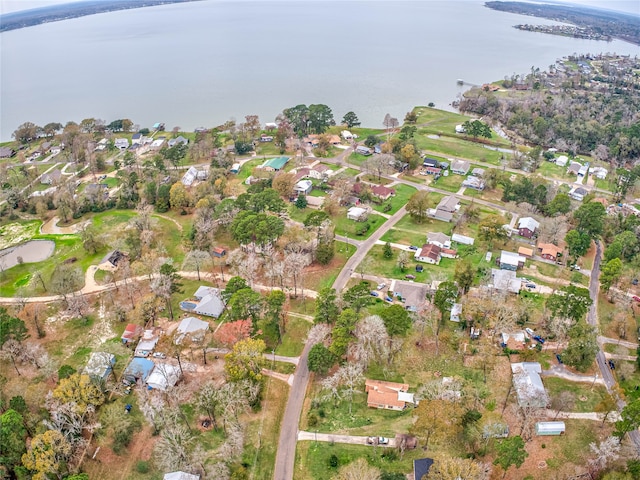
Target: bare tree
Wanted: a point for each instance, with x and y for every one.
(372, 341)
(294, 264)
(604, 453)
(197, 259)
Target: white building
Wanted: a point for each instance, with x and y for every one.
(357, 213)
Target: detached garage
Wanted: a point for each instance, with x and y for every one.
(550, 428)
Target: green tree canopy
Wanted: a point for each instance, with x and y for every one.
(510, 451)
(476, 129)
(464, 275)
(245, 360)
(418, 205)
(11, 328)
(630, 418)
(357, 296)
(396, 320)
(570, 302)
(256, 228)
(445, 297)
(577, 242)
(624, 246)
(326, 307)
(582, 348)
(610, 273)
(350, 119)
(320, 359)
(342, 333)
(589, 218)
(13, 435)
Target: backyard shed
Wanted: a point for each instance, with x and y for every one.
(164, 376)
(100, 365)
(550, 428)
(138, 369)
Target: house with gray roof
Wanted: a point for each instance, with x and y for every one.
(192, 327)
(528, 384)
(208, 301)
(52, 177)
(439, 239)
(461, 167)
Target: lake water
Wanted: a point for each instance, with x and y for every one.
(201, 63)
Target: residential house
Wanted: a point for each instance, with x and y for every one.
(476, 183)
(513, 340)
(413, 294)
(147, 343)
(44, 148)
(599, 172)
(193, 327)
(96, 191)
(275, 164)
(358, 214)
(525, 252)
(477, 172)
(157, 143)
(505, 280)
(456, 237)
(137, 139)
(382, 193)
(320, 172)
(138, 369)
(448, 204)
(549, 251)
(584, 169)
(562, 160)
(177, 141)
(429, 162)
(131, 333)
(219, 252)
(439, 239)
(510, 261)
(56, 149)
(574, 168)
(100, 365)
(164, 376)
(362, 150)
(528, 384)
(181, 475)
(527, 227)
(235, 168)
(208, 301)
(448, 253)
(550, 428)
(311, 140)
(301, 173)
(429, 253)
(303, 187)
(102, 144)
(436, 172)
(346, 134)
(334, 140)
(266, 138)
(456, 311)
(578, 193)
(461, 167)
(387, 395)
(51, 178)
(192, 175)
(6, 152)
(121, 143)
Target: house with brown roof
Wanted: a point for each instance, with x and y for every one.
(429, 253)
(549, 251)
(302, 173)
(382, 193)
(525, 252)
(388, 395)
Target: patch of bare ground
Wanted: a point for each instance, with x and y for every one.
(120, 467)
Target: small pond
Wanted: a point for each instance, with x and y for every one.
(29, 252)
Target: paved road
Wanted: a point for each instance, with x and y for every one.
(592, 319)
(332, 437)
(286, 454)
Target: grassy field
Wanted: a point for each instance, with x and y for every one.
(356, 159)
(318, 277)
(585, 397)
(347, 227)
(451, 183)
(403, 237)
(293, 340)
(449, 146)
(402, 196)
(429, 225)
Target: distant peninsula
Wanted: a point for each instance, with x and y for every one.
(56, 13)
(591, 23)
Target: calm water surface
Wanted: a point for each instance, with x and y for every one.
(199, 64)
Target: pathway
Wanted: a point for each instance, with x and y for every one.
(612, 417)
(51, 227)
(624, 343)
(562, 372)
(334, 438)
(285, 377)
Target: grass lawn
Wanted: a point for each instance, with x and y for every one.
(373, 178)
(402, 196)
(312, 459)
(247, 168)
(320, 276)
(306, 306)
(267, 148)
(111, 181)
(293, 340)
(429, 225)
(317, 193)
(451, 183)
(356, 158)
(628, 382)
(350, 172)
(459, 147)
(264, 430)
(585, 397)
(403, 237)
(347, 227)
(573, 446)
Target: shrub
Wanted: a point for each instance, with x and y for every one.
(334, 461)
(312, 420)
(142, 466)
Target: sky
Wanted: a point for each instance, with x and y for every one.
(628, 6)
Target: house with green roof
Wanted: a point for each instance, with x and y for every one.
(275, 164)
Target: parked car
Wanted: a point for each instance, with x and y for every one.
(530, 332)
(634, 281)
(612, 365)
(374, 294)
(636, 298)
(559, 358)
(381, 286)
(388, 298)
(410, 277)
(531, 285)
(383, 440)
(575, 267)
(538, 338)
(372, 440)
(159, 355)
(413, 247)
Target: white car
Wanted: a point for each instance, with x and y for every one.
(530, 332)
